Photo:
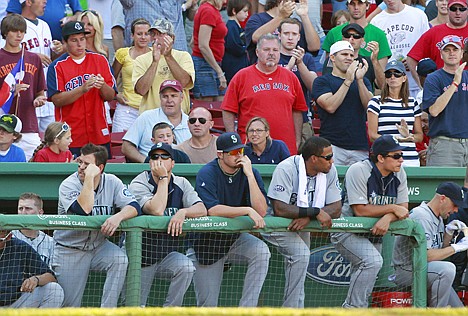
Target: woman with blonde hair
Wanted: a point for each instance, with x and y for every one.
(261, 148)
(54, 147)
(395, 113)
(95, 26)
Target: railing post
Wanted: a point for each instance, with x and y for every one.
(420, 268)
(133, 247)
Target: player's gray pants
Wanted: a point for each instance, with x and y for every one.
(177, 268)
(366, 263)
(72, 266)
(47, 296)
(440, 275)
(247, 249)
(295, 248)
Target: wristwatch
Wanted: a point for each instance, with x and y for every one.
(162, 177)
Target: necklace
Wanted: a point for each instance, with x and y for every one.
(229, 175)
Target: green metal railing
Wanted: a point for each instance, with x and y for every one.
(134, 228)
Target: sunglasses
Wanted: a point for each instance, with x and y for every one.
(162, 156)
(65, 128)
(235, 152)
(455, 9)
(92, 11)
(397, 74)
(395, 156)
(193, 120)
(2, 239)
(355, 36)
(327, 157)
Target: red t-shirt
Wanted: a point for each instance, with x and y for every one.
(428, 46)
(34, 76)
(274, 96)
(207, 14)
(47, 155)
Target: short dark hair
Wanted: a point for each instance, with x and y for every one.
(100, 153)
(12, 23)
(289, 21)
(32, 196)
(314, 146)
(270, 4)
(237, 5)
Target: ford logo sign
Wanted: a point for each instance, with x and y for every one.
(328, 266)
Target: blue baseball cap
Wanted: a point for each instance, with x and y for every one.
(454, 192)
(385, 144)
(229, 141)
(162, 146)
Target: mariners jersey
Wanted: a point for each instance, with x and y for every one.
(43, 244)
(87, 115)
(214, 188)
(364, 184)
(432, 225)
(157, 245)
(110, 195)
(284, 185)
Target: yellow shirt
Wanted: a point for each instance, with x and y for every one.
(151, 100)
(123, 57)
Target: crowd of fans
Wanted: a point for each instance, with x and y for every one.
(389, 84)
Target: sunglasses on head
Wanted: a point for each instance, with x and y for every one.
(395, 156)
(92, 11)
(455, 9)
(327, 157)
(162, 156)
(65, 128)
(397, 74)
(355, 36)
(193, 120)
(235, 152)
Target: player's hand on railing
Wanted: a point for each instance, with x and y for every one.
(111, 224)
(381, 227)
(325, 219)
(175, 224)
(400, 212)
(299, 223)
(258, 220)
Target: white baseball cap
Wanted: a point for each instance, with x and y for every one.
(339, 46)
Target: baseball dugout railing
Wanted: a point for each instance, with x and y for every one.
(326, 274)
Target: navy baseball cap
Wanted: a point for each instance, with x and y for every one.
(162, 146)
(425, 67)
(73, 27)
(229, 141)
(395, 65)
(353, 26)
(385, 144)
(454, 192)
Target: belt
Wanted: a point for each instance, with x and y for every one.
(458, 140)
(70, 247)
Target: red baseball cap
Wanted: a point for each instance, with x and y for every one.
(171, 83)
(460, 2)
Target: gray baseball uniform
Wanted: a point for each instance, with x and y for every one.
(43, 244)
(440, 274)
(364, 184)
(77, 252)
(160, 250)
(295, 246)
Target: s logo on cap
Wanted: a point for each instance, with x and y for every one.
(234, 139)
